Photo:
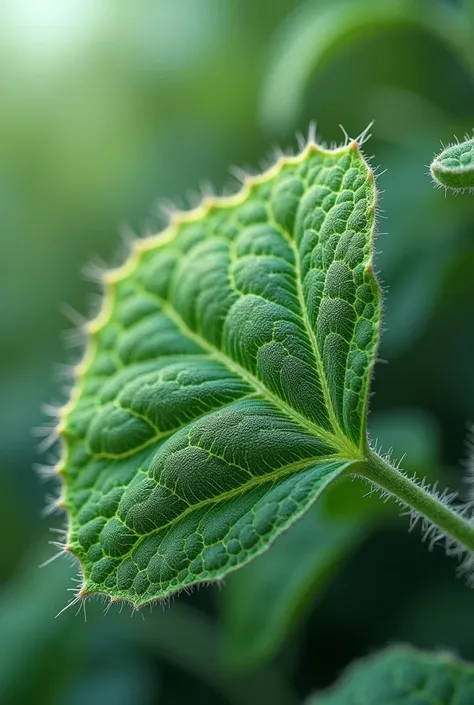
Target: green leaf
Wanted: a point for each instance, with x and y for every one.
(454, 167)
(30, 634)
(225, 381)
(403, 676)
(190, 641)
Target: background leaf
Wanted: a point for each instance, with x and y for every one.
(405, 676)
(263, 601)
(31, 636)
(316, 31)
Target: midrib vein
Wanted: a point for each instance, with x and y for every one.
(314, 429)
(312, 338)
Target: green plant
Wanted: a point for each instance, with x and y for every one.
(225, 384)
(403, 676)
(454, 167)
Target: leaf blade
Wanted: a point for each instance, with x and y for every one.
(220, 550)
(232, 352)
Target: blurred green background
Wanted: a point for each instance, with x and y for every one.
(106, 107)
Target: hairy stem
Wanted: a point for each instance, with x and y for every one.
(388, 478)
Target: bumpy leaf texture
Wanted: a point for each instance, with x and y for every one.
(403, 676)
(225, 380)
(454, 167)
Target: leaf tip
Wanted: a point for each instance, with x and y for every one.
(84, 593)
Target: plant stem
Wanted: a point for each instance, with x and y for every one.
(381, 473)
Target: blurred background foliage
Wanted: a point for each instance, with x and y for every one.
(107, 106)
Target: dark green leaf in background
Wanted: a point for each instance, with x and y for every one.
(403, 676)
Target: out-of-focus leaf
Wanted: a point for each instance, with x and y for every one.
(264, 600)
(116, 675)
(422, 282)
(411, 434)
(47, 660)
(425, 237)
(190, 640)
(315, 32)
(37, 650)
(403, 676)
(445, 608)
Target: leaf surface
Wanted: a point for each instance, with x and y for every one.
(403, 676)
(225, 381)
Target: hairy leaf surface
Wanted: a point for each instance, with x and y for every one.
(225, 382)
(454, 166)
(403, 676)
